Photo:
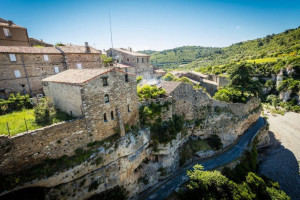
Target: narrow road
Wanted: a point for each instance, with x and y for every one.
(165, 187)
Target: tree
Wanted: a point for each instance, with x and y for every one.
(106, 60)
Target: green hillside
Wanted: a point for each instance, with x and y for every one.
(172, 58)
(272, 51)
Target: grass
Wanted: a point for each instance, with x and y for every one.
(17, 125)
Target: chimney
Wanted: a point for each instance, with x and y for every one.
(130, 49)
(10, 23)
(87, 48)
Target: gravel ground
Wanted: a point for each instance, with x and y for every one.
(280, 161)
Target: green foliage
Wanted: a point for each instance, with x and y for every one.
(115, 193)
(149, 92)
(43, 110)
(139, 79)
(212, 185)
(59, 44)
(228, 94)
(106, 60)
(290, 85)
(241, 86)
(17, 124)
(151, 112)
(191, 147)
(14, 103)
(171, 77)
(214, 142)
(164, 132)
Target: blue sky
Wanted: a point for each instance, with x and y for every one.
(152, 24)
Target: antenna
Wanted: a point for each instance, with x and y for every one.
(111, 39)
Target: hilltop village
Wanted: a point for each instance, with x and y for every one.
(115, 140)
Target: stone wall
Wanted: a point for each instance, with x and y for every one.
(27, 149)
(123, 103)
(35, 68)
(66, 97)
(140, 62)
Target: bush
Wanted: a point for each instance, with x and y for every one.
(44, 111)
(14, 103)
(213, 185)
(215, 142)
(149, 92)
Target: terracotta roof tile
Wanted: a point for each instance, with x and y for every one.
(76, 49)
(20, 49)
(78, 76)
(130, 52)
(169, 86)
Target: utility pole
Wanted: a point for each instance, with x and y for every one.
(111, 38)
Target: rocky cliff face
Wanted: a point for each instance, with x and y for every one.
(132, 161)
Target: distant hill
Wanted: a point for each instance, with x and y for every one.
(148, 52)
(269, 48)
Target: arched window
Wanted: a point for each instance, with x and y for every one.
(106, 98)
(104, 117)
(126, 78)
(112, 115)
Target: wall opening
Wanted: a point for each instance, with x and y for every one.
(106, 98)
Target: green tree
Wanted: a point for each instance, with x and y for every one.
(106, 60)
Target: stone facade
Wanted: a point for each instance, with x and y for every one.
(106, 107)
(23, 68)
(12, 34)
(140, 62)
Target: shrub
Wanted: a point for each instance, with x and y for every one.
(149, 92)
(215, 142)
(44, 111)
(14, 103)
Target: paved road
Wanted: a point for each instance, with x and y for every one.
(162, 189)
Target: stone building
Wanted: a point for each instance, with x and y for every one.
(106, 98)
(12, 34)
(23, 68)
(140, 62)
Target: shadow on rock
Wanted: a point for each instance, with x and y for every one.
(281, 165)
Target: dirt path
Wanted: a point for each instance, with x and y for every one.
(280, 161)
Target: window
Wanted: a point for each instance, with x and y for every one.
(128, 108)
(79, 66)
(17, 73)
(104, 81)
(127, 59)
(104, 117)
(106, 98)
(12, 57)
(46, 58)
(126, 78)
(112, 115)
(137, 60)
(142, 60)
(6, 32)
(56, 69)
(147, 60)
